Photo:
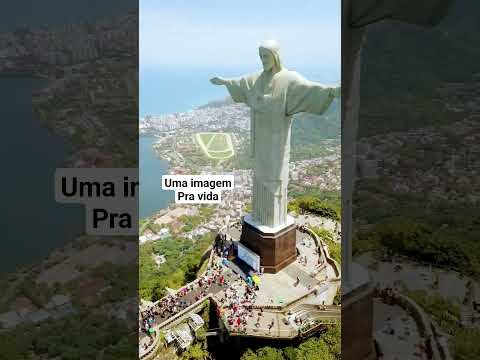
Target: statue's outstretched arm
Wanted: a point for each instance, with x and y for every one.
(309, 96)
(238, 88)
(217, 80)
(336, 90)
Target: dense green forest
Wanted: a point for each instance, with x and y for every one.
(321, 203)
(78, 337)
(325, 346)
(449, 245)
(181, 265)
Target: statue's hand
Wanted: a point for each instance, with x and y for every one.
(218, 81)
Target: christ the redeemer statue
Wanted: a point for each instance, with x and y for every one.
(274, 95)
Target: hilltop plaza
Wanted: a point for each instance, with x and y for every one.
(268, 275)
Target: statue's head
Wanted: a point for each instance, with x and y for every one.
(269, 52)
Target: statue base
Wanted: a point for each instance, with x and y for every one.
(357, 317)
(277, 247)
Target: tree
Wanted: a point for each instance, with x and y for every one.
(268, 353)
(249, 355)
(326, 346)
(337, 300)
(265, 353)
(290, 353)
(334, 248)
(314, 205)
(314, 348)
(195, 352)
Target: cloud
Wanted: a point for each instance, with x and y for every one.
(170, 39)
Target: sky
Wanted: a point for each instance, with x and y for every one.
(213, 33)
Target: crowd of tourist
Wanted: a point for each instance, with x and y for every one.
(387, 293)
(235, 296)
(146, 343)
(215, 277)
(237, 304)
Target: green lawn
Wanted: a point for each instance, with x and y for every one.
(206, 137)
(216, 146)
(219, 143)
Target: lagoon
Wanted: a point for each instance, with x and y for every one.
(152, 197)
(32, 222)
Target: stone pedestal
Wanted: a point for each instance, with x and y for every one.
(276, 246)
(357, 317)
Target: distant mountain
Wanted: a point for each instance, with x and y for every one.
(306, 128)
(309, 128)
(217, 103)
(403, 65)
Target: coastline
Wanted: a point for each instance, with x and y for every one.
(152, 183)
(24, 249)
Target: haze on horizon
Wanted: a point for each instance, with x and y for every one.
(184, 42)
(211, 34)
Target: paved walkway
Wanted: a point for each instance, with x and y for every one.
(402, 273)
(396, 332)
(279, 296)
(282, 288)
(196, 294)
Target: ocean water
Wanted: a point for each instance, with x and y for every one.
(35, 13)
(162, 92)
(152, 198)
(168, 90)
(32, 223)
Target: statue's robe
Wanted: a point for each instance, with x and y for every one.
(273, 101)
